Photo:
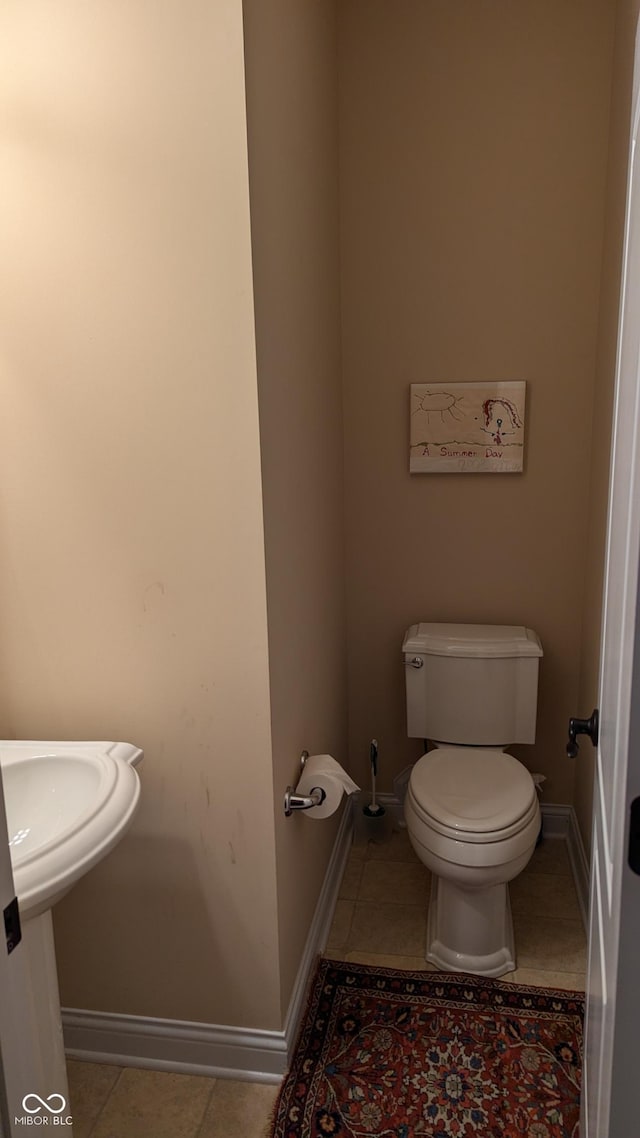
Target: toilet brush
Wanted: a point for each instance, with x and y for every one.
(375, 813)
(374, 809)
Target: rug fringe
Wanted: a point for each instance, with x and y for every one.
(273, 1114)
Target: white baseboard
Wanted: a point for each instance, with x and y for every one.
(175, 1045)
(320, 925)
(561, 822)
(556, 820)
(211, 1049)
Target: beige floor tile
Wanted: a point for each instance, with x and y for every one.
(351, 879)
(241, 1109)
(385, 928)
(398, 848)
(158, 1103)
(335, 953)
(400, 882)
(341, 924)
(573, 981)
(358, 850)
(550, 944)
(544, 895)
(389, 960)
(89, 1087)
(551, 856)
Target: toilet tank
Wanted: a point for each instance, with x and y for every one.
(473, 684)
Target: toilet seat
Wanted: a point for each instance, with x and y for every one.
(473, 794)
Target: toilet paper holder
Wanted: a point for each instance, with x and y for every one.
(293, 801)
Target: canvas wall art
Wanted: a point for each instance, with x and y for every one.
(457, 427)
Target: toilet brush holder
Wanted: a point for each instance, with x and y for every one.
(374, 827)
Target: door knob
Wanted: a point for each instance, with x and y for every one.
(582, 727)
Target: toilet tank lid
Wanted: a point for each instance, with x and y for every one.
(472, 640)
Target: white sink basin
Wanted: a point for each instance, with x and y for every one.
(68, 805)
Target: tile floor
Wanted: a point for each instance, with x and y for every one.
(381, 914)
(120, 1102)
(380, 918)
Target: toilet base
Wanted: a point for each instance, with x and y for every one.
(470, 929)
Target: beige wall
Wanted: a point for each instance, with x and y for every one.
(626, 20)
(293, 147)
(132, 592)
(473, 157)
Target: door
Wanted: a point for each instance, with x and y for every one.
(6, 897)
(609, 1103)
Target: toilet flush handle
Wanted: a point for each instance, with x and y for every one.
(416, 662)
(582, 727)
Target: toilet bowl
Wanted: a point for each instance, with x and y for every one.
(473, 819)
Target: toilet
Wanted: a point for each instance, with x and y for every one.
(471, 809)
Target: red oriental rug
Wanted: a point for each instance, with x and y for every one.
(385, 1054)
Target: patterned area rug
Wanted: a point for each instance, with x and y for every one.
(386, 1054)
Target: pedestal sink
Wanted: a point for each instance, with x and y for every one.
(68, 804)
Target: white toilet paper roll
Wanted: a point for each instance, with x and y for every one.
(325, 772)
